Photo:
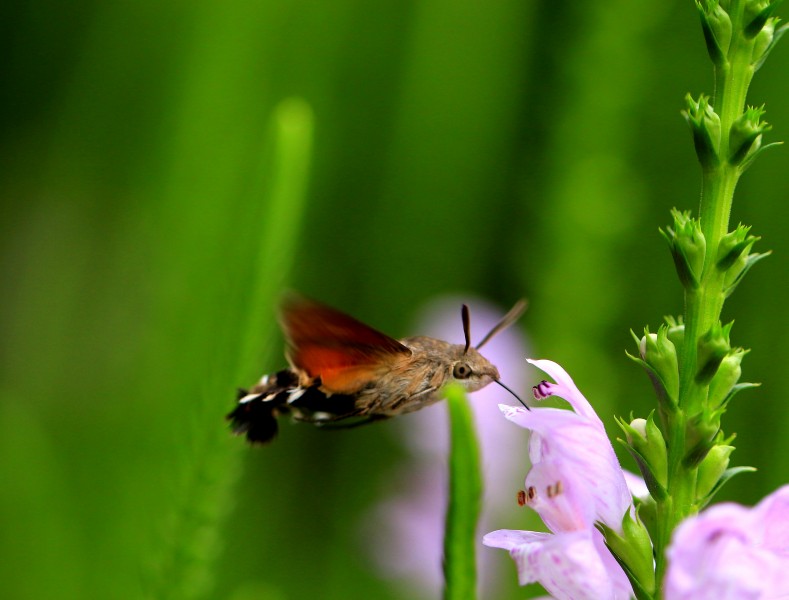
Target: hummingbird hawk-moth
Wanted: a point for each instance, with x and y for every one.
(344, 373)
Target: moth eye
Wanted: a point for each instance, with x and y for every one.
(461, 371)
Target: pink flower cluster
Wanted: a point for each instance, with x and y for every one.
(575, 481)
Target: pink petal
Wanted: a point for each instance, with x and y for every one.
(567, 565)
(565, 388)
(635, 485)
(508, 539)
(583, 449)
(772, 518)
(557, 495)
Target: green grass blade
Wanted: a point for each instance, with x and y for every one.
(183, 564)
(292, 130)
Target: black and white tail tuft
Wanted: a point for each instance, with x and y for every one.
(256, 414)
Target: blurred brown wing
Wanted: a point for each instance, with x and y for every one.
(345, 353)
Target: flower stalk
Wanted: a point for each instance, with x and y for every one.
(727, 136)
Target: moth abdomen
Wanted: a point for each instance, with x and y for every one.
(256, 413)
(255, 419)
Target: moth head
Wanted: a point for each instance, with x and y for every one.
(472, 369)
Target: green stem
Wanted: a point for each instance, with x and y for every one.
(465, 490)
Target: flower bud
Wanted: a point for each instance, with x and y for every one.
(733, 245)
(700, 437)
(659, 353)
(766, 38)
(633, 548)
(725, 379)
(745, 136)
(712, 468)
(676, 332)
(734, 258)
(716, 25)
(763, 41)
(646, 444)
(688, 247)
(755, 15)
(639, 428)
(647, 512)
(712, 348)
(706, 127)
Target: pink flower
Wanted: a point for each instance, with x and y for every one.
(575, 443)
(732, 552)
(574, 482)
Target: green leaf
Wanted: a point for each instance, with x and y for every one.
(465, 491)
(752, 156)
(737, 388)
(750, 261)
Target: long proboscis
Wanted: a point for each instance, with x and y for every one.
(507, 320)
(526, 406)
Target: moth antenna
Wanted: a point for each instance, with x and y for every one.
(508, 319)
(526, 406)
(464, 314)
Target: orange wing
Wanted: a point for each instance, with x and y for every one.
(345, 353)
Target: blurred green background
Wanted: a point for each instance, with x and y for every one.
(150, 219)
